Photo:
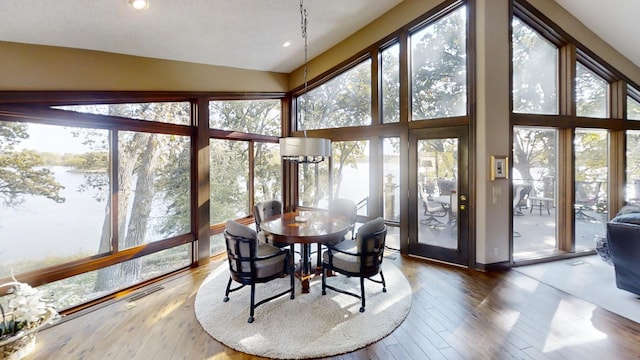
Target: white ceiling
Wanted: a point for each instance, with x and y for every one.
(246, 34)
(614, 21)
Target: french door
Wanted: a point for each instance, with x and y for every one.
(438, 194)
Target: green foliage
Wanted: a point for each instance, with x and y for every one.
(250, 116)
(534, 148)
(438, 68)
(21, 172)
(591, 93)
(342, 102)
(535, 71)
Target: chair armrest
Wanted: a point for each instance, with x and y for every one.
(332, 249)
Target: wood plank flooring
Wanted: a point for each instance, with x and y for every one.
(455, 314)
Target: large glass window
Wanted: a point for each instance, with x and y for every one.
(154, 187)
(439, 68)
(391, 172)
(76, 290)
(633, 109)
(250, 116)
(592, 92)
(535, 71)
(229, 178)
(267, 172)
(632, 193)
(591, 179)
(534, 174)
(314, 185)
(166, 112)
(391, 84)
(341, 102)
(54, 192)
(351, 171)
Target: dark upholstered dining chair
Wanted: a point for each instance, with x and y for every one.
(251, 263)
(264, 210)
(360, 258)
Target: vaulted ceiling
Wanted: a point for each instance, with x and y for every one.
(246, 34)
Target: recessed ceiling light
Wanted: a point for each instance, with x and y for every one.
(286, 44)
(138, 4)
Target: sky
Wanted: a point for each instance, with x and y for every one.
(51, 138)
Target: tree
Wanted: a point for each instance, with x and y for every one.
(534, 148)
(230, 159)
(438, 68)
(535, 66)
(144, 177)
(19, 170)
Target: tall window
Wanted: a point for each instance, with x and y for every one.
(535, 71)
(236, 164)
(391, 84)
(61, 177)
(351, 171)
(53, 178)
(267, 170)
(391, 174)
(229, 177)
(155, 187)
(341, 102)
(632, 193)
(591, 93)
(438, 68)
(535, 172)
(591, 183)
(633, 107)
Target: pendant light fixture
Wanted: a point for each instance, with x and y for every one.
(304, 149)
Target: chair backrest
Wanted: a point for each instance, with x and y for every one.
(241, 242)
(345, 208)
(266, 209)
(370, 243)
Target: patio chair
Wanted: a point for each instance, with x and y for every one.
(587, 197)
(433, 209)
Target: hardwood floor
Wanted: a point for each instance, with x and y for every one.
(455, 314)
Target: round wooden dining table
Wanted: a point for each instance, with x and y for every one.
(306, 228)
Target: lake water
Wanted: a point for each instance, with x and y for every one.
(40, 228)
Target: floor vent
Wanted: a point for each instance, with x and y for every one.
(144, 293)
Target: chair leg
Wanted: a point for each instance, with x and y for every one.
(324, 280)
(292, 270)
(362, 294)
(252, 306)
(384, 283)
(226, 293)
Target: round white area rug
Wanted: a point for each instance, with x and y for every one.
(309, 326)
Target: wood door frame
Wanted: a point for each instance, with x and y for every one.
(462, 255)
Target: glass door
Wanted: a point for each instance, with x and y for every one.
(438, 183)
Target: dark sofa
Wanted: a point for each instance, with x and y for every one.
(623, 238)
